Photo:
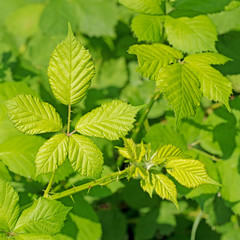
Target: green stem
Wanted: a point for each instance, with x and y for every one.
(69, 119)
(143, 117)
(49, 186)
(195, 225)
(101, 181)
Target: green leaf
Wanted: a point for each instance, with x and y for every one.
(165, 187)
(191, 35)
(181, 89)
(85, 156)
(111, 120)
(44, 216)
(214, 85)
(129, 150)
(32, 116)
(9, 208)
(207, 58)
(70, 70)
(144, 6)
(151, 58)
(34, 236)
(190, 173)
(4, 173)
(97, 18)
(147, 185)
(19, 153)
(148, 28)
(52, 154)
(166, 153)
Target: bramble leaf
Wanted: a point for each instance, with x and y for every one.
(70, 70)
(165, 187)
(148, 28)
(129, 150)
(9, 208)
(181, 89)
(32, 116)
(85, 156)
(191, 35)
(44, 216)
(144, 6)
(190, 173)
(52, 154)
(19, 153)
(152, 58)
(33, 236)
(111, 120)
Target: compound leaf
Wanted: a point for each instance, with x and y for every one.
(32, 116)
(213, 84)
(152, 58)
(19, 153)
(111, 120)
(190, 173)
(165, 187)
(148, 28)
(9, 208)
(85, 156)
(191, 35)
(52, 154)
(144, 6)
(44, 216)
(181, 89)
(70, 70)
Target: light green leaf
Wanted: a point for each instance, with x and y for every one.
(4, 173)
(151, 58)
(147, 184)
(97, 18)
(166, 153)
(32, 116)
(111, 120)
(129, 150)
(85, 156)
(207, 58)
(70, 70)
(148, 28)
(34, 236)
(190, 173)
(44, 216)
(52, 154)
(191, 35)
(181, 89)
(213, 84)
(165, 187)
(144, 6)
(19, 153)
(9, 208)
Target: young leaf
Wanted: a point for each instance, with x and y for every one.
(32, 116)
(34, 236)
(44, 216)
(85, 156)
(111, 120)
(181, 89)
(129, 150)
(166, 153)
(52, 154)
(152, 58)
(165, 187)
(70, 70)
(148, 28)
(147, 185)
(191, 35)
(143, 6)
(19, 153)
(190, 173)
(9, 208)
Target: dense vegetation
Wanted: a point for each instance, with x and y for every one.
(110, 109)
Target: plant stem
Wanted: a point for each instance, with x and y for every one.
(69, 119)
(101, 181)
(49, 186)
(195, 225)
(143, 117)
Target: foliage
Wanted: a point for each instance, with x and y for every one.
(94, 172)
